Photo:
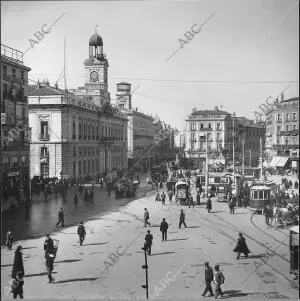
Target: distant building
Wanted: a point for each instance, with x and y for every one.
(250, 133)
(140, 132)
(282, 133)
(210, 129)
(15, 134)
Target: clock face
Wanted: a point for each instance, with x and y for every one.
(94, 76)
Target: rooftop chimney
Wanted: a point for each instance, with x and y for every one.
(282, 96)
(216, 108)
(56, 86)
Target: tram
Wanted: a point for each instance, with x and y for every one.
(182, 192)
(259, 197)
(294, 254)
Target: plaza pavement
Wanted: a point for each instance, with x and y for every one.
(109, 264)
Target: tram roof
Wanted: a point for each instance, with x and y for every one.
(294, 229)
(260, 187)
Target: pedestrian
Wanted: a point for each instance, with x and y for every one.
(48, 244)
(267, 214)
(92, 196)
(191, 201)
(182, 219)
(86, 196)
(241, 247)
(164, 228)
(198, 197)
(108, 192)
(157, 198)
(81, 232)
(208, 205)
(146, 217)
(49, 265)
(219, 280)
(290, 184)
(75, 198)
(231, 205)
(17, 286)
(209, 277)
(163, 198)
(61, 217)
(9, 239)
(46, 192)
(148, 242)
(296, 185)
(18, 266)
(170, 194)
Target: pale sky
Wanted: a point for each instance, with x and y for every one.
(252, 41)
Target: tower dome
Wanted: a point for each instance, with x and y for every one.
(95, 40)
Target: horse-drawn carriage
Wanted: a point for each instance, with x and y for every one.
(287, 216)
(182, 192)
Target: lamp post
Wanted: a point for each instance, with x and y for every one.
(206, 168)
(145, 267)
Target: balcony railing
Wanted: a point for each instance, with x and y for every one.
(44, 155)
(285, 146)
(279, 120)
(45, 137)
(291, 132)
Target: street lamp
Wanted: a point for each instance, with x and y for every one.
(145, 267)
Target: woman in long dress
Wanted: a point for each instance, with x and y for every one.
(241, 247)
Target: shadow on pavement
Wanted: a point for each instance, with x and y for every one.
(6, 265)
(257, 256)
(75, 280)
(68, 260)
(27, 248)
(177, 239)
(234, 293)
(217, 211)
(96, 244)
(162, 253)
(39, 274)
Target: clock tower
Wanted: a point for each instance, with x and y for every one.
(124, 95)
(96, 70)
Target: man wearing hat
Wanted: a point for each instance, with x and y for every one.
(219, 280)
(48, 244)
(209, 277)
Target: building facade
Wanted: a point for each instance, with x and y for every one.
(15, 133)
(209, 130)
(282, 131)
(140, 131)
(71, 137)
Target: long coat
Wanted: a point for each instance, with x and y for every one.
(209, 274)
(208, 204)
(18, 263)
(164, 226)
(241, 246)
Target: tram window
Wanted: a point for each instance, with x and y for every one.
(255, 194)
(261, 195)
(217, 180)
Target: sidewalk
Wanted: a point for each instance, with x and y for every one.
(109, 265)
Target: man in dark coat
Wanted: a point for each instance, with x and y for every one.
(92, 196)
(61, 218)
(81, 232)
(231, 205)
(163, 198)
(164, 228)
(48, 244)
(267, 214)
(191, 201)
(76, 198)
(49, 265)
(182, 219)
(18, 263)
(209, 277)
(198, 197)
(241, 247)
(208, 204)
(148, 242)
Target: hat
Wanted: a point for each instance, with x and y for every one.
(47, 234)
(217, 266)
(148, 231)
(206, 263)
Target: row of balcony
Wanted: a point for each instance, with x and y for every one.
(292, 132)
(286, 120)
(13, 78)
(46, 137)
(285, 146)
(205, 129)
(10, 96)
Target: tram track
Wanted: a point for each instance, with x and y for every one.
(250, 237)
(265, 233)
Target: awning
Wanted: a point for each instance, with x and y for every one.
(278, 161)
(283, 161)
(294, 229)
